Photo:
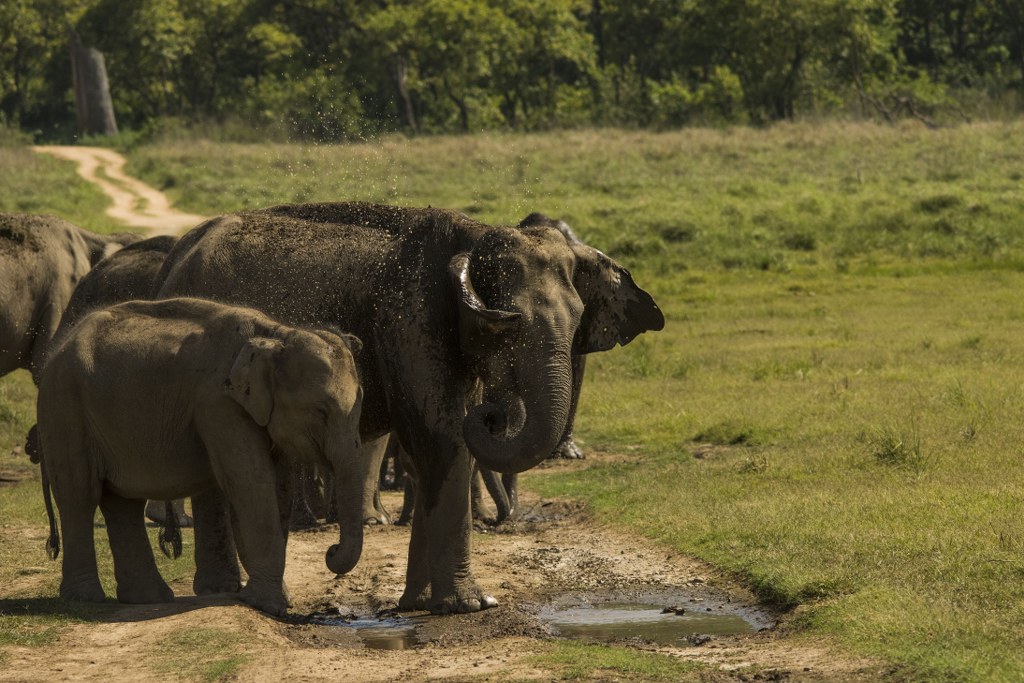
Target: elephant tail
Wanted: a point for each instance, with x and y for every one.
(170, 533)
(53, 542)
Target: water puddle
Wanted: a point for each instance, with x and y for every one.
(375, 633)
(672, 618)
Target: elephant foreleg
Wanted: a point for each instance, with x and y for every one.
(246, 471)
(138, 579)
(440, 545)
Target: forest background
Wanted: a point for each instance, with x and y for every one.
(337, 70)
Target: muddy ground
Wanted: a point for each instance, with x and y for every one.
(555, 554)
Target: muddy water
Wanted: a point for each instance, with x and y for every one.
(383, 633)
(677, 617)
(673, 616)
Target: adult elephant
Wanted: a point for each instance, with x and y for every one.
(441, 303)
(42, 258)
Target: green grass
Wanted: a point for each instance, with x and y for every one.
(204, 654)
(795, 196)
(17, 414)
(886, 496)
(845, 328)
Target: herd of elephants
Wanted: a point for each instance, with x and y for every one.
(268, 355)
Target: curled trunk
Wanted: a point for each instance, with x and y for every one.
(350, 491)
(513, 433)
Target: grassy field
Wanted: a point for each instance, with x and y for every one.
(833, 412)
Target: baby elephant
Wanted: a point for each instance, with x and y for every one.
(166, 399)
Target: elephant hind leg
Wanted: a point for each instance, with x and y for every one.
(138, 579)
(76, 495)
(80, 578)
(216, 558)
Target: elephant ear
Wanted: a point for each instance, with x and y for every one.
(251, 379)
(477, 322)
(615, 310)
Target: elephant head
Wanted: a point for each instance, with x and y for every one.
(304, 389)
(528, 300)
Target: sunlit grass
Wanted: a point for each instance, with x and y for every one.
(788, 198)
(869, 464)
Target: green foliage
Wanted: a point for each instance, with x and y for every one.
(330, 71)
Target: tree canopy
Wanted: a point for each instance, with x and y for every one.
(340, 69)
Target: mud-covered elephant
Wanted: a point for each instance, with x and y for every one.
(166, 399)
(503, 489)
(42, 258)
(441, 303)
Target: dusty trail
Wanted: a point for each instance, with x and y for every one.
(135, 203)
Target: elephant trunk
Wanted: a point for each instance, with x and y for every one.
(351, 495)
(515, 433)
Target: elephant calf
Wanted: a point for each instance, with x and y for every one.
(167, 399)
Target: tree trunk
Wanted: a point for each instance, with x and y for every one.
(405, 111)
(94, 111)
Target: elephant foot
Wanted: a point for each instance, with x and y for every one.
(86, 591)
(142, 595)
(274, 602)
(567, 450)
(376, 518)
(415, 600)
(463, 602)
(207, 582)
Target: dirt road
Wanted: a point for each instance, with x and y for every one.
(135, 203)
